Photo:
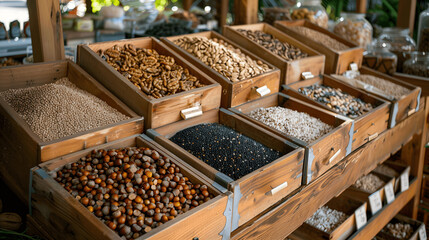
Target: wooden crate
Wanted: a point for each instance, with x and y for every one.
(256, 191)
(422, 82)
(336, 61)
(321, 154)
(416, 225)
(290, 70)
(342, 203)
(24, 149)
(367, 126)
(233, 93)
(400, 108)
(157, 112)
(424, 195)
(400, 168)
(66, 218)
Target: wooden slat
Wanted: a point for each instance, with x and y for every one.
(246, 11)
(285, 217)
(222, 8)
(187, 4)
(361, 6)
(406, 14)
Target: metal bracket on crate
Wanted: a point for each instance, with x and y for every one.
(152, 133)
(307, 75)
(235, 215)
(310, 159)
(418, 100)
(393, 115)
(350, 145)
(191, 112)
(226, 232)
(223, 179)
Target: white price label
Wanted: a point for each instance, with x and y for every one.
(375, 202)
(422, 233)
(360, 215)
(390, 194)
(404, 180)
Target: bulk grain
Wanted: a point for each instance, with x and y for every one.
(389, 88)
(369, 183)
(385, 170)
(326, 219)
(223, 58)
(132, 190)
(399, 230)
(224, 149)
(296, 124)
(60, 109)
(320, 37)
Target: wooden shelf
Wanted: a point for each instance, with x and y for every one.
(287, 215)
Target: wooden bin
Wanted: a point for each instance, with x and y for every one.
(367, 126)
(290, 70)
(416, 225)
(422, 82)
(24, 150)
(321, 154)
(157, 112)
(342, 203)
(233, 93)
(66, 218)
(400, 108)
(256, 191)
(336, 61)
(400, 169)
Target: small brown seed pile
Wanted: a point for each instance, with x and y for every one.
(296, 124)
(417, 68)
(369, 183)
(389, 88)
(383, 169)
(156, 75)
(337, 100)
(132, 190)
(319, 18)
(424, 40)
(268, 41)
(60, 109)
(321, 38)
(399, 230)
(223, 58)
(326, 219)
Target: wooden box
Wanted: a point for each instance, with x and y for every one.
(400, 108)
(336, 61)
(290, 70)
(67, 218)
(367, 126)
(399, 169)
(233, 93)
(24, 149)
(342, 203)
(157, 112)
(416, 225)
(422, 82)
(321, 154)
(256, 191)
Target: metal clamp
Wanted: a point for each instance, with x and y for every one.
(191, 112)
(277, 189)
(307, 75)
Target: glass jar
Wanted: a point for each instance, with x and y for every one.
(423, 33)
(418, 64)
(310, 10)
(355, 28)
(400, 43)
(379, 57)
(140, 15)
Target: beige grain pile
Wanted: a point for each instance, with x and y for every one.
(321, 38)
(370, 183)
(389, 88)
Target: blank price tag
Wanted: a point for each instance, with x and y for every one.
(422, 233)
(404, 180)
(360, 216)
(390, 194)
(375, 202)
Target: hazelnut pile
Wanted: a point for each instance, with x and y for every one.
(132, 190)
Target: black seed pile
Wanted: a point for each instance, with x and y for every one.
(224, 149)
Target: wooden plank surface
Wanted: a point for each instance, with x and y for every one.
(246, 11)
(406, 14)
(282, 219)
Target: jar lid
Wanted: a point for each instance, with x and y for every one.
(352, 15)
(396, 30)
(308, 2)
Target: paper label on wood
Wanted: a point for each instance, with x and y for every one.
(422, 233)
(375, 202)
(360, 215)
(405, 180)
(390, 194)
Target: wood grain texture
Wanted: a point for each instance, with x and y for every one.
(406, 14)
(286, 216)
(421, 82)
(246, 11)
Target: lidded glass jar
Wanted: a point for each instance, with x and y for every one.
(423, 33)
(355, 28)
(418, 64)
(311, 10)
(379, 57)
(400, 43)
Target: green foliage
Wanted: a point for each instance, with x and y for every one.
(334, 7)
(98, 4)
(386, 13)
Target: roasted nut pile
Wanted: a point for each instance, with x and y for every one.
(224, 149)
(386, 170)
(399, 230)
(337, 100)
(268, 41)
(355, 32)
(319, 18)
(326, 219)
(369, 183)
(424, 40)
(168, 29)
(417, 68)
(156, 75)
(321, 38)
(389, 88)
(60, 109)
(223, 58)
(132, 190)
(296, 124)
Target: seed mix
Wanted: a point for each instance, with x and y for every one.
(399, 230)
(370, 183)
(326, 219)
(389, 88)
(320, 37)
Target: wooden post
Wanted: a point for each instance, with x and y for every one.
(88, 6)
(406, 14)
(222, 12)
(46, 30)
(361, 6)
(187, 4)
(246, 11)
